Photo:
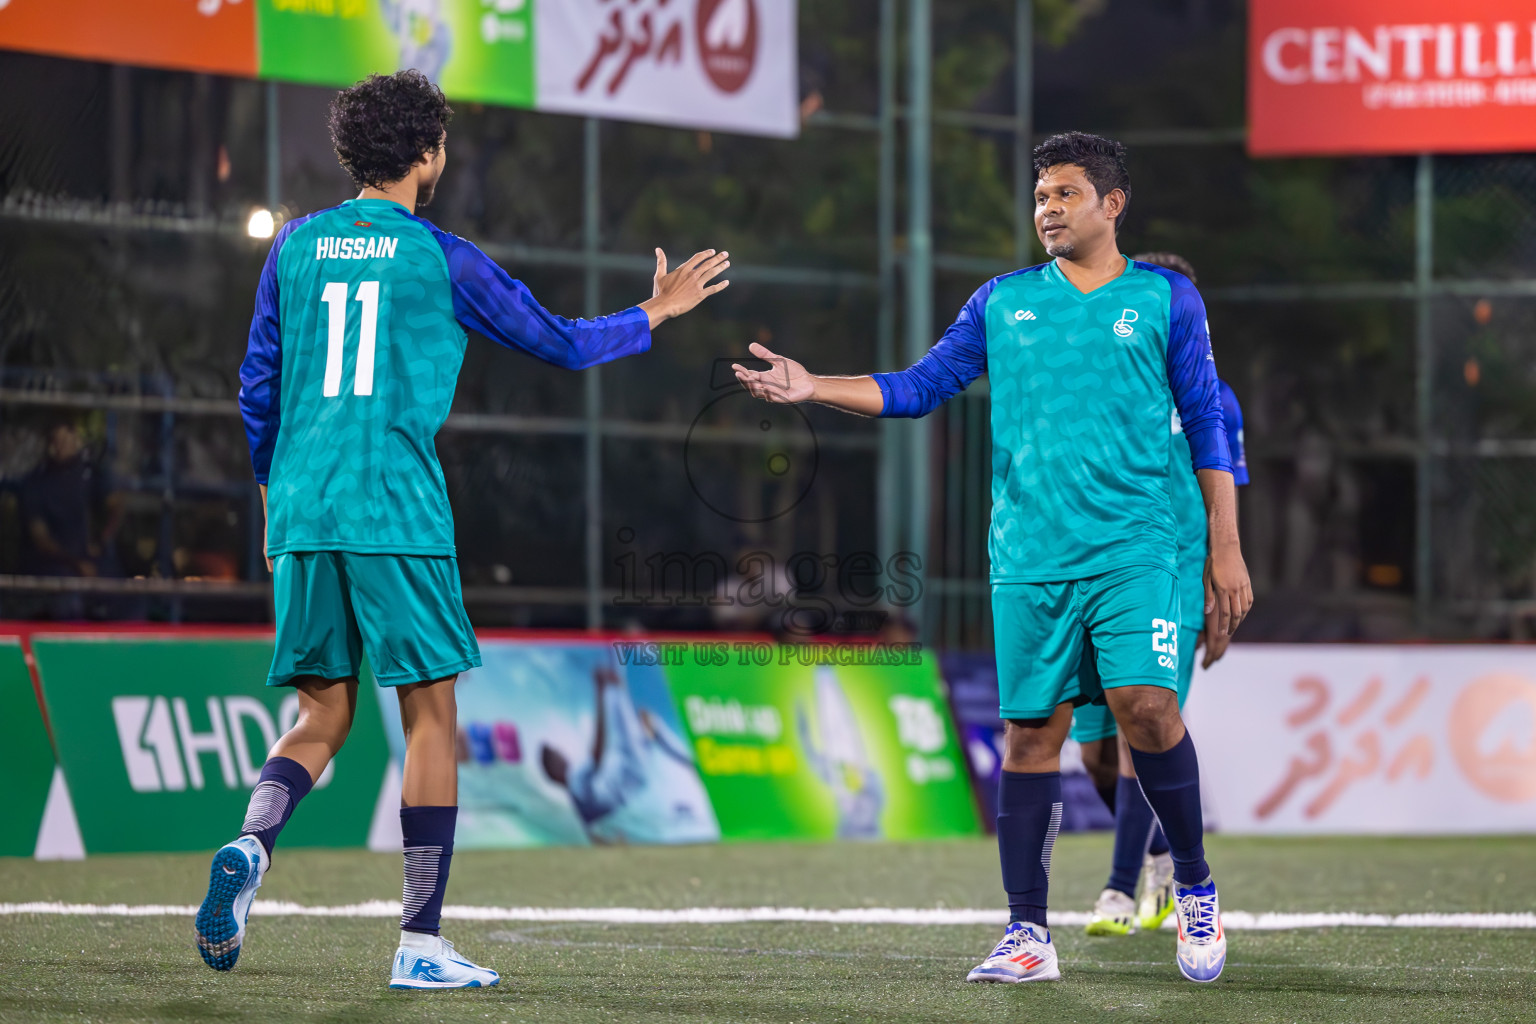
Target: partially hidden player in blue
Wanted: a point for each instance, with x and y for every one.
(1141, 859)
(1089, 357)
(354, 354)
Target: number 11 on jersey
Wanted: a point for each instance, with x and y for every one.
(335, 297)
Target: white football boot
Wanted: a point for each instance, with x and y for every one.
(1156, 901)
(1025, 954)
(1114, 913)
(1202, 950)
(233, 879)
(430, 961)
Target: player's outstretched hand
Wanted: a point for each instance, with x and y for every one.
(676, 293)
(785, 382)
(1228, 592)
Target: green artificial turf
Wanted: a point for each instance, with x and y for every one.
(77, 968)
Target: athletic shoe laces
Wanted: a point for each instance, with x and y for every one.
(1011, 941)
(1199, 913)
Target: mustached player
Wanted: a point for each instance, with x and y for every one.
(1088, 356)
(354, 353)
(1141, 856)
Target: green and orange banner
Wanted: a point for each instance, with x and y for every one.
(712, 64)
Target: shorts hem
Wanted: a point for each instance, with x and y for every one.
(348, 548)
(1078, 574)
(323, 671)
(406, 677)
(1006, 713)
(1167, 684)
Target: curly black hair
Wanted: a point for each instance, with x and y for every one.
(383, 124)
(1102, 161)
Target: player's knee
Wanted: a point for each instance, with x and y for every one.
(1149, 717)
(1027, 746)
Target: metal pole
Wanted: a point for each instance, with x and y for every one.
(591, 232)
(274, 152)
(1423, 279)
(888, 481)
(1023, 132)
(919, 297)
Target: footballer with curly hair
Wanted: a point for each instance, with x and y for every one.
(354, 353)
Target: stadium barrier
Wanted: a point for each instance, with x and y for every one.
(563, 740)
(1327, 739)
(1324, 738)
(26, 754)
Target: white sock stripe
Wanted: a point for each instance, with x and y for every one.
(269, 802)
(421, 868)
(1050, 837)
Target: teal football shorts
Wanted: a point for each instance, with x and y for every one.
(1093, 721)
(405, 611)
(1123, 623)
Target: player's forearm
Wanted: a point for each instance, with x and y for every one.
(1220, 496)
(860, 395)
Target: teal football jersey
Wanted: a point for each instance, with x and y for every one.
(1083, 390)
(351, 366)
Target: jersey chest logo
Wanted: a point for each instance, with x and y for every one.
(1123, 326)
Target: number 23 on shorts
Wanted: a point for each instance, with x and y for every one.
(1165, 641)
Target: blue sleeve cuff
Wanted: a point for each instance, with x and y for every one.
(887, 395)
(1208, 447)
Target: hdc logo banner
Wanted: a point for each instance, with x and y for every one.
(1339, 77)
(1333, 739)
(161, 741)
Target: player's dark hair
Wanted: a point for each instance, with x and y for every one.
(1102, 161)
(1171, 260)
(383, 124)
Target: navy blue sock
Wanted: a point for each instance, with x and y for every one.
(1159, 843)
(1028, 819)
(428, 833)
(1133, 822)
(1171, 782)
(283, 783)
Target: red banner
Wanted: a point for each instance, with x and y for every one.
(218, 36)
(1341, 77)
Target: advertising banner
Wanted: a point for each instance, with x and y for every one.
(725, 64)
(559, 743)
(217, 36)
(788, 749)
(1333, 739)
(26, 756)
(474, 50)
(1342, 77)
(729, 65)
(161, 741)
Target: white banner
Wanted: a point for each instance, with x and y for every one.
(1347, 739)
(729, 65)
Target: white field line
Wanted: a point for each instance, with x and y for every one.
(1236, 920)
